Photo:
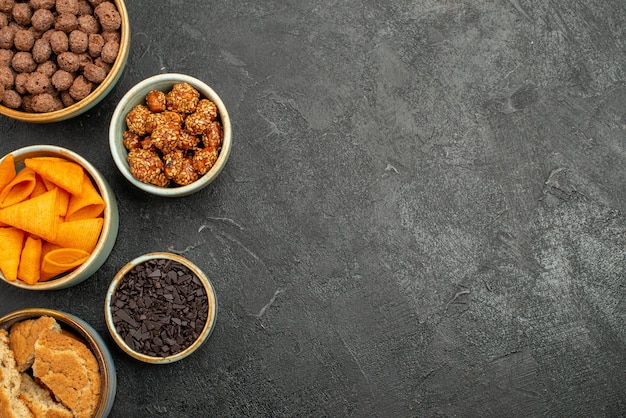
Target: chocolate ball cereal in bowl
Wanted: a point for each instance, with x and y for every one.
(54, 364)
(170, 135)
(58, 218)
(58, 59)
(160, 308)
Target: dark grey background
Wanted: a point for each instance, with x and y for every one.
(423, 213)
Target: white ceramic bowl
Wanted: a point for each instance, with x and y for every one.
(90, 336)
(137, 95)
(109, 229)
(96, 96)
(203, 335)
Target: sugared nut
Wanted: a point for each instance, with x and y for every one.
(155, 100)
(136, 119)
(182, 98)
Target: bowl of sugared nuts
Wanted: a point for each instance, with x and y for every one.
(59, 58)
(170, 135)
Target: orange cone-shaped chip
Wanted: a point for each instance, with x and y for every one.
(82, 234)
(40, 186)
(7, 170)
(38, 216)
(30, 261)
(11, 240)
(65, 174)
(19, 189)
(88, 204)
(60, 261)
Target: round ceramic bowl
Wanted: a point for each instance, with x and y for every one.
(89, 336)
(110, 226)
(136, 96)
(96, 96)
(143, 290)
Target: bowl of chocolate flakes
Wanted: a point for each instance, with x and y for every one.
(59, 58)
(160, 308)
(170, 135)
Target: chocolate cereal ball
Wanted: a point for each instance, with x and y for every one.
(67, 6)
(43, 103)
(88, 24)
(112, 35)
(96, 42)
(42, 4)
(7, 76)
(84, 8)
(20, 83)
(59, 42)
(41, 51)
(23, 62)
(79, 41)
(66, 22)
(6, 37)
(42, 19)
(1, 92)
(11, 99)
(62, 80)
(47, 68)
(108, 16)
(22, 13)
(68, 61)
(109, 52)
(94, 3)
(94, 73)
(81, 87)
(37, 83)
(66, 99)
(24, 40)
(6, 5)
(4, 20)
(6, 55)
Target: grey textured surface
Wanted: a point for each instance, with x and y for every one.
(423, 213)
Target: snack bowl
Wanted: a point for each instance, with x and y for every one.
(110, 219)
(160, 308)
(137, 96)
(99, 92)
(78, 328)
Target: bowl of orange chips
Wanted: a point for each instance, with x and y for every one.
(58, 218)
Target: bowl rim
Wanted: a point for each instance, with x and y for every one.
(110, 227)
(134, 94)
(95, 96)
(207, 330)
(90, 336)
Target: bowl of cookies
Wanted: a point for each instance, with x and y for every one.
(59, 58)
(58, 218)
(160, 308)
(54, 364)
(170, 135)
